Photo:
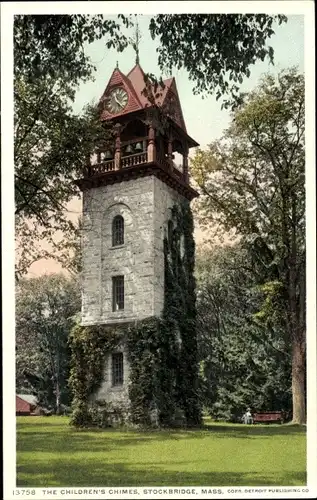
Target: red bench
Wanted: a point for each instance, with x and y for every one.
(268, 416)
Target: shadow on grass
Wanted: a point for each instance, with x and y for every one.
(58, 437)
(73, 442)
(60, 457)
(74, 474)
(241, 430)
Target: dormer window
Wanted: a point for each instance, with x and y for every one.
(117, 231)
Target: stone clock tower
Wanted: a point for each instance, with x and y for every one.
(128, 193)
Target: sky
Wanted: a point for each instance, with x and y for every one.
(204, 118)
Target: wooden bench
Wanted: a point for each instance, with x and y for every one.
(268, 416)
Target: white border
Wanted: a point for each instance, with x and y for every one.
(154, 7)
(305, 8)
(310, 139)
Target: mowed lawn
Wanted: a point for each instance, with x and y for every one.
(51, 453)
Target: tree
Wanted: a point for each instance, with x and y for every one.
(217, 50)
(243, 363)
(253, 182)
(52, 143)
(51, 149)
(45, 310)
(54, 45)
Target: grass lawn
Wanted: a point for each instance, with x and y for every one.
(51, 453)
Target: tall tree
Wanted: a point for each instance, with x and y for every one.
(213, 48)
(51, 149)
(243, 362)
(45, 310)
(54, 45)
(253, 182)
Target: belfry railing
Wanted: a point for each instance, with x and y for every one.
(133, 160)
(102, 167)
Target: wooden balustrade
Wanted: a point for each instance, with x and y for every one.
(177, 172)
(102, 167)
(132, 160)
(163, 161)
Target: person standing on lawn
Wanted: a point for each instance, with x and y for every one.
(247, 417)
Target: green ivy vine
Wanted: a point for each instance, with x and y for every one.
(179, 314)
(162, 352)
(89, 346)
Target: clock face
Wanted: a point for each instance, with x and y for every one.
(117, 100)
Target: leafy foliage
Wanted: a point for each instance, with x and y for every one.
(143, 345)
(89, 345)
(51, 149)
(163, 354)
(50, 152)
(253, 183)
(216, 49)
(242, 363)
(45, 310)
(51, 142)
(48, 45)
(179, 314)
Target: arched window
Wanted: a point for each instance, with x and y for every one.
(117, 231)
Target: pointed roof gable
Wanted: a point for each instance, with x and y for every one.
(164, 91)
(136, 77)
(119, 79)
(134, 85)
(172, 94)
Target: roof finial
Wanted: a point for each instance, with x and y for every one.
(117, 65)
(136, 40)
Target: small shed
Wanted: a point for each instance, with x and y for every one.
(25, 404)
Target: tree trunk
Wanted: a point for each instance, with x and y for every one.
(297, 330)
(298, 381)
(58, 398)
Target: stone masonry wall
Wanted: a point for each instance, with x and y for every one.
(145, 205)
(134, 200)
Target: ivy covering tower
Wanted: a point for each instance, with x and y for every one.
(134, 356)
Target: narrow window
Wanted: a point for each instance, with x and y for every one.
(117, 368)
(117, 293)
(117, 231)
(170, 229)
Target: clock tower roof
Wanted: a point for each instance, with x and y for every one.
(119, 79)
(134, 85)
(145, 140)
